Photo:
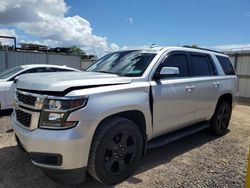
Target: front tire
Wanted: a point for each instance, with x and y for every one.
(221, 118)
(115, 151)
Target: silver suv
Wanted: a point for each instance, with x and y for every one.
(102, 121)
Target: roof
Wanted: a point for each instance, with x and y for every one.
(180, 48)
(193, 49)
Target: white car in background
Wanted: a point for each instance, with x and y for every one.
(8, 76)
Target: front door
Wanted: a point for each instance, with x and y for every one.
(172, 97)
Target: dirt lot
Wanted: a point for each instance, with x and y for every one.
(200, 160)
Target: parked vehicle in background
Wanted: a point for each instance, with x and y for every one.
(8, 76)
(103, 120)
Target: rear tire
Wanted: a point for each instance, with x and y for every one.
(221, 118)
(115, 151)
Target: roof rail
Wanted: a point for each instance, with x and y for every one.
(186, 46)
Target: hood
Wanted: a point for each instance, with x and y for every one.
(61, 81)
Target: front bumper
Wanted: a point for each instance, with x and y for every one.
(72, 145)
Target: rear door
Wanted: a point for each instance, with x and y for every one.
(172, 96)
(205, 83)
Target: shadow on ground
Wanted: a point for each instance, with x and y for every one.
(16, 170)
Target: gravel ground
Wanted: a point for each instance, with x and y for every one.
(200, 160)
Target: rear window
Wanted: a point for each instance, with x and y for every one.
(226, 65)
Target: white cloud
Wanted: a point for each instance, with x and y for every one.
(7, 32)
(130, 20)
(114, 47)
(46, 20)
(16, 11)
(230, 47)
(136, 47)
(247, 14)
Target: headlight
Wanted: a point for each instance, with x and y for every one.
(57, 109)
(64, 103)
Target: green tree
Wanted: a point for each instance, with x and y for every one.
(76, 51)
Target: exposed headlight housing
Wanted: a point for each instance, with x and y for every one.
(57, 109)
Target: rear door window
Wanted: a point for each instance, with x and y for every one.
(201, 65)
(226, 65)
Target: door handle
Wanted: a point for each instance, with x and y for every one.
(189, 88)
(216, 84)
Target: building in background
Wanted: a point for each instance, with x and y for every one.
(33, 47)
(241, 62)
(29, 53)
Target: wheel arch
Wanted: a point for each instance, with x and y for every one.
(219, 121)
(137, 116)
(228, 97)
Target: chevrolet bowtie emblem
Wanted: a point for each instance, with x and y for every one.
(39, 100)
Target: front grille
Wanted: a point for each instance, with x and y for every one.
(26, 99)
(23, 118)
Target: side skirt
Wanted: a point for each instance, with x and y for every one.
(176, 135)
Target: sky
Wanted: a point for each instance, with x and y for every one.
(102, 26)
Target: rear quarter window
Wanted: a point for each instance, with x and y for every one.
(226, 65)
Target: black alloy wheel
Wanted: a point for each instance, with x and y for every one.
(115, 151)
(221, 118)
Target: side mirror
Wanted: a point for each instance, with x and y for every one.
(169, 71)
